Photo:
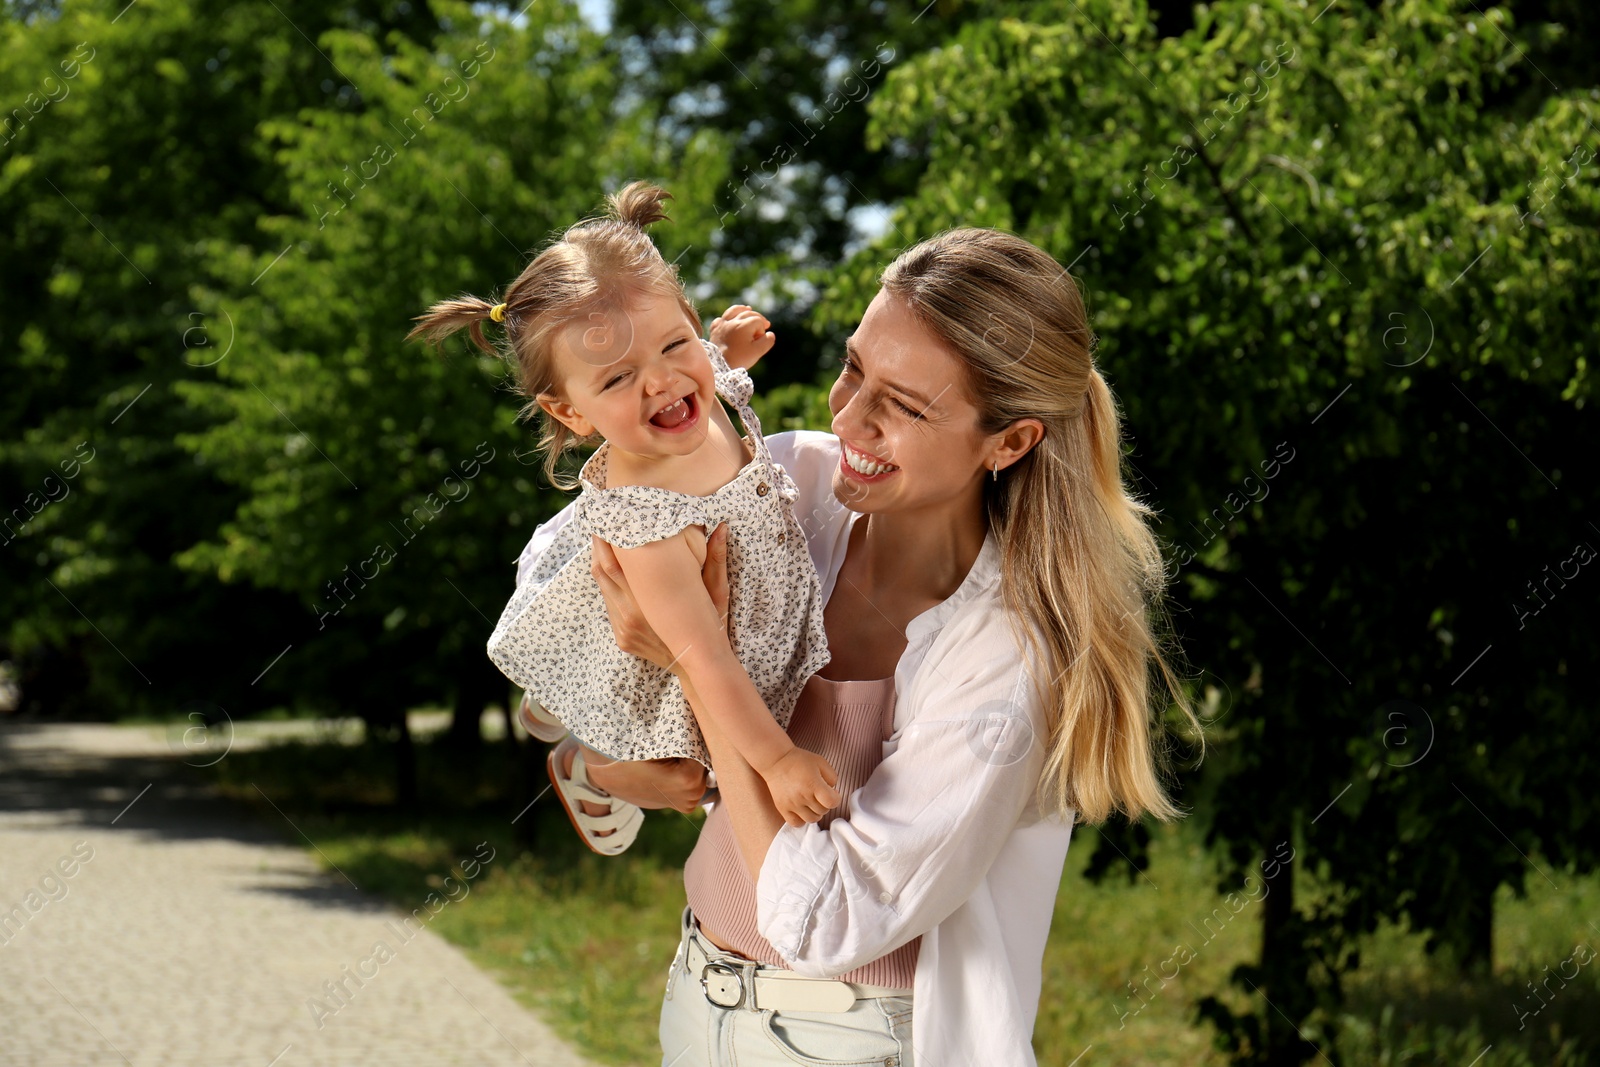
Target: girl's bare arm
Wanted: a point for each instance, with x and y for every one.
(666, 582)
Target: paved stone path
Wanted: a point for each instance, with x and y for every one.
(146, 923)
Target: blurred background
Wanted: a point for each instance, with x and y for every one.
(1343, 262)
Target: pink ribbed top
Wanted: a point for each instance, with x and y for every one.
(846, 723)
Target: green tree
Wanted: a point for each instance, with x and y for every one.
(1343, 271)
(785, 86)
(127, 145)
(386, 489)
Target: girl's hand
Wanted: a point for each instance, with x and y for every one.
(634, 634)
(743, 334)
(802, 786)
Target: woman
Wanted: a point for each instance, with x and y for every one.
(989, 585)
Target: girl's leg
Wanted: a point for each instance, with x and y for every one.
(606, 824)
(538, 722)
(568, 751)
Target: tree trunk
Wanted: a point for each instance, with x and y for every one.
(1481, 952)
(508, 714)
(405, 764)
(1472, 935)
(528, 759)
(478, 683)
(1283, 961)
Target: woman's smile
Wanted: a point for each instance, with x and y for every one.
(863, 466)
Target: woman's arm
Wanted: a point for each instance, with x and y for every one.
(755, 818)
(923, 830)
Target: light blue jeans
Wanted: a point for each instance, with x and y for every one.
(697, 1033)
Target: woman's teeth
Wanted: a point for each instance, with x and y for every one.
(862, 465)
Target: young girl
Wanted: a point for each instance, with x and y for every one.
(608, 346)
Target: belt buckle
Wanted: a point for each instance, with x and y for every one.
(724, 971)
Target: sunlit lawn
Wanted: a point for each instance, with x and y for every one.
(608, 926)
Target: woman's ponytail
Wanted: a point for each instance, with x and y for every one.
(1081, 570)
(1128, 518)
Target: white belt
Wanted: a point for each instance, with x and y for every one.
(731, 981)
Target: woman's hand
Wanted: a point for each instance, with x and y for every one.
(628, 625)
(657, 783)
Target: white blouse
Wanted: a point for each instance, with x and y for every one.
(945, 838)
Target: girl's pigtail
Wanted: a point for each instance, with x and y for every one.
(639, 204)
(448, 316)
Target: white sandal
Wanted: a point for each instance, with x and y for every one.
(537, 720)
(623, 819)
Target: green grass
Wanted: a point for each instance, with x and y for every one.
(609, 926)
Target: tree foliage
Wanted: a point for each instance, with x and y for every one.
(1341, 261)
(129, 148)
(389, 488)
(1342, 282)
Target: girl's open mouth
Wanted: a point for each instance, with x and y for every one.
(677, 417)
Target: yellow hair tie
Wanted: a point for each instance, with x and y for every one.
(498, 313)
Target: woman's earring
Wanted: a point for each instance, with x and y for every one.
(997, 470)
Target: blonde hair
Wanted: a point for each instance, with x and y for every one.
(1081, 572)
(598, 266)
